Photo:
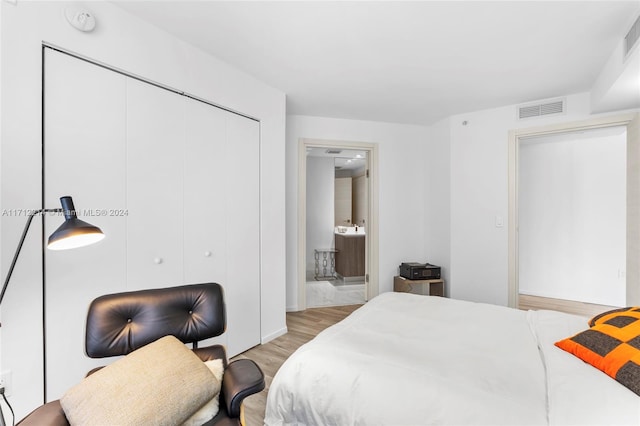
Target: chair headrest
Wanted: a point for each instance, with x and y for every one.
(120, 323)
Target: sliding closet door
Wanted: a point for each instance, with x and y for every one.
(84, 157)
(222, 219)
(155, 157)
(175, 185)
(205, 177)
(205, 189)
(243, 233)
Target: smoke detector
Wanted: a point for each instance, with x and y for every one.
(80, 19)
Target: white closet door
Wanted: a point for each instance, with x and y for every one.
(205, 177)
(155, 156)
(84, 154)
(173, 183)
(243, 233)
(205, 183)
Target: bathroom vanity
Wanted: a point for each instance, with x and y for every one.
(350, 256)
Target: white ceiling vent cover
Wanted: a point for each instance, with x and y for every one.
(543, 109)
(632, 37)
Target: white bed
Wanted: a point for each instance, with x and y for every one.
(409, 360)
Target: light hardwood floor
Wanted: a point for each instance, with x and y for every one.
(527, 302)
(302, 327)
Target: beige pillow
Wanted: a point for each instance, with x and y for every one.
(162, 383)
(211, 408)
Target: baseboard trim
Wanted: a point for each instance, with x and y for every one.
(569, 299)
(292, 308)
(270, 337)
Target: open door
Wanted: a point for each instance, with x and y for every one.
(318, 247)
(632, 123)
(633, 211)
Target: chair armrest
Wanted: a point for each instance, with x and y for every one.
(50, 414)
(208, 353)
(241, 378)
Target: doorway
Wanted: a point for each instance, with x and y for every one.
(631, 230)
(337, 223)
(337, 200)
(572, 216)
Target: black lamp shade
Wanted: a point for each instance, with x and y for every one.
(73, 232)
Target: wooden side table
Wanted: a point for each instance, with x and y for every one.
(423, 287)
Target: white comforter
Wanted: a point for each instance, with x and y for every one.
(410, 360)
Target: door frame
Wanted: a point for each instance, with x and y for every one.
(632, 122)
(372, 247)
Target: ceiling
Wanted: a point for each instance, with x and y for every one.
(406, 62)
(344, 159)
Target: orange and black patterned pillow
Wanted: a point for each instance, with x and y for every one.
(605, 316)
(612, 345)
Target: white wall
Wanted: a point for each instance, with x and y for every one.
(617, 84)
(320, 206)
(402, 188)
(479, 263)
(438, 202)
(572, 216)
(2, 405)
(125, 42)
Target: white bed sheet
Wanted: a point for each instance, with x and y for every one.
(411, 360)
(578, 393)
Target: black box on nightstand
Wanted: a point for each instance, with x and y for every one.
(419, 271)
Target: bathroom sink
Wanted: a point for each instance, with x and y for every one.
(349, 230)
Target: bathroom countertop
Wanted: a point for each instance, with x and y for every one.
(351, 234)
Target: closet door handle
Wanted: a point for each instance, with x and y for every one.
(157, 260)
(207, 253)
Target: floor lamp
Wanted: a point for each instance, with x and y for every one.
(73, 233)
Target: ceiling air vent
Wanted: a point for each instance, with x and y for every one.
(333, 151)
(632, 37)
(543, 109)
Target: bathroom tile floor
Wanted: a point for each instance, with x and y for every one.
(334, 293)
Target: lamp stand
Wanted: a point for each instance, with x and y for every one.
(22, 238)
(71, 234)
